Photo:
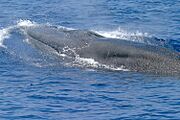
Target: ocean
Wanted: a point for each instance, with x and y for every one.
(37, 85)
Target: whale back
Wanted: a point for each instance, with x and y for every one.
(86, 44)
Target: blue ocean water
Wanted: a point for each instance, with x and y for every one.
(34, 85)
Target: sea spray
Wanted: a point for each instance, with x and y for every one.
(119, 33)
(4, 34)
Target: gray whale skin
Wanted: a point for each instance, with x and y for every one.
(133, 56)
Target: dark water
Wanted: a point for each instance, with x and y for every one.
(34, 85)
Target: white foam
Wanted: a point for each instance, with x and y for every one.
(26, 23)
(125, 35)
(89, 62)
(4, 34)
(66, 28)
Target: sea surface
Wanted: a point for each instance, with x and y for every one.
(37, 86)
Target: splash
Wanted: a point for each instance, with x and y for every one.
(86, 62)
(125, 35)
(91, 63)
(26, 23)
(4, 34)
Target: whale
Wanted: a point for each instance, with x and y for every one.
(133, 56)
